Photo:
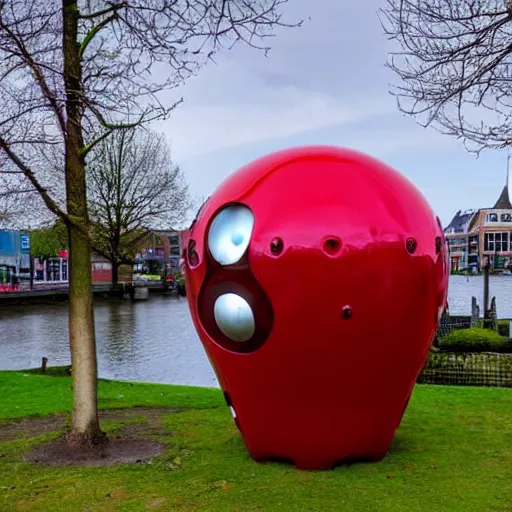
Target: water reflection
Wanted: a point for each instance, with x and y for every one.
(155, 341)
(117, 325)
(151, 341)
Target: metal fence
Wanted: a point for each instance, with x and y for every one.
(450, 323)
(468, 369)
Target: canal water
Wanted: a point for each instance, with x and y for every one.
(155, 340)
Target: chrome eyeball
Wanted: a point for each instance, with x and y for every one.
(234, 317)
(230, 234)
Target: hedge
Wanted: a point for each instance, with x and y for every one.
(475, 339)
(504, 327)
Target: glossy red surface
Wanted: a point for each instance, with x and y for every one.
(344, 253)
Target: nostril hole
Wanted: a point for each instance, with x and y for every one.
(331, 246)
(411, 245)
(346, 313)
(193, 257)
(276, 246)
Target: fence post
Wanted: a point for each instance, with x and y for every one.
(493, 315)
(475, 312)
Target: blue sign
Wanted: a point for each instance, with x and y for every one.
(25, 242)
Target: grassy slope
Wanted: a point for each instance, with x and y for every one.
(452, 452)
(25, 393)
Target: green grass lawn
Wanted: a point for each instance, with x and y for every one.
(453, 452)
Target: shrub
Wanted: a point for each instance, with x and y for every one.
(504, 327)
(475, 339)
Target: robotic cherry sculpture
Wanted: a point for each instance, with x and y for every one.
(316, 278)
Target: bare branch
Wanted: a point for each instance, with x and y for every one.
(50, 203)
(454, 65)
(103, 12)
(133, 188)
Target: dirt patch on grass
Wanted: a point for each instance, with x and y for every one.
(30, 427)
(136, 440)
(116, 451)
(36, 426)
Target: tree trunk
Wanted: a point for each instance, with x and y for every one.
(85, 424)
(115, 275)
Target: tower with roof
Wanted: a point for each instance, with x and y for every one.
(480, 235)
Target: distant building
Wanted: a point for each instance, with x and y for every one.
(14, 260)
(51, 270)
(159, 253)
(54, 271)
(101, 269)
(476, 237)
(459, 246)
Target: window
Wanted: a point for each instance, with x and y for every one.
(492, 217)
(101, 265)
(506, 217)
(174, 240)
(496, 242)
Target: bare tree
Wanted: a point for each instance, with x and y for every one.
(133, 187)
(18, 201)
(72, 73)
(454, 62)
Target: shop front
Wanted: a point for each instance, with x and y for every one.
(14, 261)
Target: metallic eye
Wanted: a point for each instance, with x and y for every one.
(234, 317)
(230, 234)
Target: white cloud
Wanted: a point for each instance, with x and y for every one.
(325, 83)
(282, 113)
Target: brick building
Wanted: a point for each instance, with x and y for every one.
(485, 235)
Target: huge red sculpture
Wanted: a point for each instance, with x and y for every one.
(316, 277)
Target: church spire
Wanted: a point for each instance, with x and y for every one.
(508, 170)
(503, 202)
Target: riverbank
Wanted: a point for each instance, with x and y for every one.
(49, 294)
(451, 453)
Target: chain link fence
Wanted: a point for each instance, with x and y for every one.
(468, 369)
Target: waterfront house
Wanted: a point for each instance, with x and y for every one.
(476, 237)
(159, 253)
(53, 271)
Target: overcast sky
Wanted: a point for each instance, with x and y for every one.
(324, 83)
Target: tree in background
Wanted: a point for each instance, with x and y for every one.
(71, 74)
(454, 63)
(133, 188)
(46, 242)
